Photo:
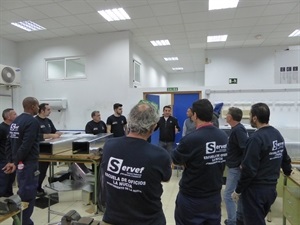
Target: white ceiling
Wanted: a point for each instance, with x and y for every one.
(185, 23)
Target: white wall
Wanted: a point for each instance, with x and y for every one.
(251, 66)
(186, 79)
(151, 73)
(8, 53)
(108, 63)
(9, 57)
(107, 66)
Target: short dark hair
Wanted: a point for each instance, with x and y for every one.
(261, 111)
(167, 106)
(117, 105)
(5, 113)
(94, 113)
(42, 107)
(236, 113)
(203, 109)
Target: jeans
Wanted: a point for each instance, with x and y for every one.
(169, 146)
(231, 182)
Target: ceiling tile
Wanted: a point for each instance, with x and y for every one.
(249, 12)
(9, 5)
(52, 10)
(69, 21)
(187, 7)
(276, 9)
(91, 18)
(165, 9)
(103, 27)
(29, 13)
(83, 30)
(266, 20)
(195, 17)
(169, 20)
(144, 11)
(76, 7)
(123, 25)
(147, 22)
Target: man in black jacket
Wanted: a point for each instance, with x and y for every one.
(168, 127)
(265, 155)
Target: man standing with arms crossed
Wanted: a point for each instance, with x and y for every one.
(23, 153)
(235, 150)
(47, 131)
(203, 154)
(7, 180)
(265, 154)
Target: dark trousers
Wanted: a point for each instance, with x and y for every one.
(27, 182)
(43, 167)
(7, 180)
(256, 203)
(198, 211)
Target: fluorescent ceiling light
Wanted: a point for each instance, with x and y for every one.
(171, 59)
(217, 38)
(222, 4)
(114, 14)
(295, 33)
(28, 26)
(177, 68)
(160, 43)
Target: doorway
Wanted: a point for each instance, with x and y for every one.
(179, 101)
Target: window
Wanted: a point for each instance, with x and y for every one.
(136, 73)
(65, 68)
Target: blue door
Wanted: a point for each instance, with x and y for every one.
(155, 135)
(181, 103)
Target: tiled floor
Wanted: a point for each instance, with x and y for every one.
(40, 216)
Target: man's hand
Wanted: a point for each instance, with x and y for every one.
(9, 168)
(235, 196)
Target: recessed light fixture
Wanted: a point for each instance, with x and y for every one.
(222, 4)
(217, 38)
(177, 68)
(28, 26)
(160, 43)
(114, 14)
(296, 33)
(171, 58)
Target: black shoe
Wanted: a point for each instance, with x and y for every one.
(225, 222)
(40, 193)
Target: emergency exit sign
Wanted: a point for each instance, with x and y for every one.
(233, 80)
(172, 89)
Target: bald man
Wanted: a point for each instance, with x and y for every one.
(23, 153)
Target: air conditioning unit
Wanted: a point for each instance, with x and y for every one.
(10, 76)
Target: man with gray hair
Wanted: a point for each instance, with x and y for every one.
(133, 170)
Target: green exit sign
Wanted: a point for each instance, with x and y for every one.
(172, 89)
(233, 80)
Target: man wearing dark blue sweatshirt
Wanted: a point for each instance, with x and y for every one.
(23, 153)
(265, 155)
(203, 154)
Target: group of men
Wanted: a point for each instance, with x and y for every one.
(19, 147)
(133, 169)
